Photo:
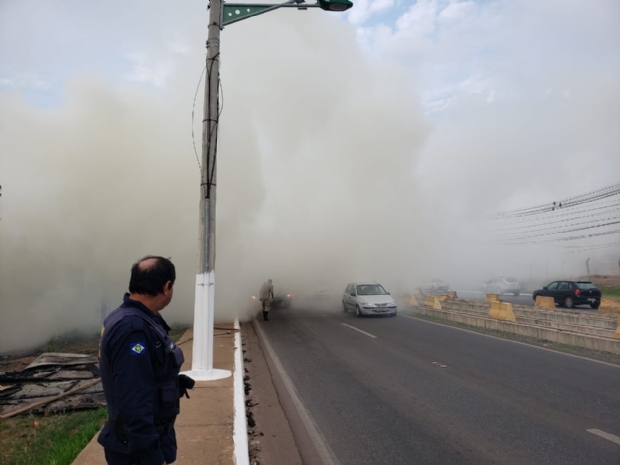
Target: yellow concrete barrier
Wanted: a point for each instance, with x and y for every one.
(617, 333)
(492, 298)
(544, 302)
(442, 297)
(432, 301)
(506, 313)
(452, 295)
(496, 307)
(502, 311)
(410, 299)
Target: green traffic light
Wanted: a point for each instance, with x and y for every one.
(335, 5)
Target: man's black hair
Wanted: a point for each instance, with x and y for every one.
(151, 280)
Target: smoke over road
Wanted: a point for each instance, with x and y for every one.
(330, 169)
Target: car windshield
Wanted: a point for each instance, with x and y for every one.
(586, 286)
(370, 289)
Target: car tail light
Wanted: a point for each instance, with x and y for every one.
(577, 292)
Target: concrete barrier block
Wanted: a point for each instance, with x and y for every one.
(544, 302)
(496, 308)
(452, 295)
(505, 312)
(442, 297)
(432, 301)
(617, 333)
(492, 298)
(410, 299)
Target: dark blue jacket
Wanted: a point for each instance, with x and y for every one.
(139, 366)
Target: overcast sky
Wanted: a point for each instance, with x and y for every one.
(383, 131)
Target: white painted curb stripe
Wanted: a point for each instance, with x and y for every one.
(240, 430)
(605, 435)
(360, 331)
(327, 455)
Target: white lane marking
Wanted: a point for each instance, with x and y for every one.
(240, 431)
(327, 455)
(359, 331)
(605, 435)
(510, 340)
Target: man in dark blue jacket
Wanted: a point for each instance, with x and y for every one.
(140, 366)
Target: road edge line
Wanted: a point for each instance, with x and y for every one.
(510, 340)
(320, 444)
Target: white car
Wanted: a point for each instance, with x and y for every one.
(435, 287)
(501, 286)
(368, 299)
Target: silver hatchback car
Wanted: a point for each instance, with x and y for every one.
(368, 299)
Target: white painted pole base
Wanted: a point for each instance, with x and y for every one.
(204, 312)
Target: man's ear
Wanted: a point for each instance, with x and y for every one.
(168, 287)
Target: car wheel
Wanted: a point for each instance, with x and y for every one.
(569, 302)
(358, 312)
(344, 307)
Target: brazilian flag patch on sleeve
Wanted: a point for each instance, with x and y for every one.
(137, 348)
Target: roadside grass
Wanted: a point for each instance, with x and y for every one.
(564, 348)
(609, 291)
(58, 438)
(177, 330)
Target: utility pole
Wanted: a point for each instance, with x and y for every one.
(588, 266)
(220, 15)
(204, 306)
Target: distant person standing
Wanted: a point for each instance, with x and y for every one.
(266, 294)
(140, 366)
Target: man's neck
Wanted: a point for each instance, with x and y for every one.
(146, 300)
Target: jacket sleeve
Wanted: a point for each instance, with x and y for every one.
(134, 386)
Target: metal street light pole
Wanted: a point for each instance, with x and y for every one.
(220, 15)
(204, 304)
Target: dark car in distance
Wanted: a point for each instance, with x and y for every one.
(281, 301)
(570, 293)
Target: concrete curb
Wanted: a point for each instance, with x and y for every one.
(240, 428)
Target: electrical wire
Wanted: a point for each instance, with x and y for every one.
(193, 110)
(594, 247)
(569, 238)
(589, 197)
(562, 232)
(213, 124)
(500, 236)
(532, 221)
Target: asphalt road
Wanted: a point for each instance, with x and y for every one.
(382, 400)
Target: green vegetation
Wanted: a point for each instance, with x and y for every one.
(56, 439)
(52, 440)
(609, 291)
(176, 331)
